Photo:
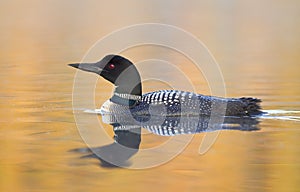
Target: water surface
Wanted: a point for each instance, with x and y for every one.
(258, 54)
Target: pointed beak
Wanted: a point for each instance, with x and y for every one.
(89, 67)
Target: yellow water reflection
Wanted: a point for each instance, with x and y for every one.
(255, 43)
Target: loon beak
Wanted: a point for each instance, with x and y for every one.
(89, 67)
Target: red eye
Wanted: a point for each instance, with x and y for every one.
(111, 66)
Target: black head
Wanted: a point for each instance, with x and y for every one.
(116, 69)
(110, 67)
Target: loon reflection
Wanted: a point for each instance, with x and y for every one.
(128, 133)
(117, 154)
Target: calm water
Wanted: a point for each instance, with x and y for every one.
(258, 54)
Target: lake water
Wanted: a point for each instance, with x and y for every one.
(256, 45)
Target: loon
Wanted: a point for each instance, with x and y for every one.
(128, 97)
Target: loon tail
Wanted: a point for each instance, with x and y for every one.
(252, 105)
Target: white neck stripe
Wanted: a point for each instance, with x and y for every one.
(128, 96)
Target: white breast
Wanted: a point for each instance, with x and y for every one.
(105, 108)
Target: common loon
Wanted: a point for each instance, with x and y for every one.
(128, 95)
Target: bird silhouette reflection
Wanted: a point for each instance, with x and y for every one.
(127, 133)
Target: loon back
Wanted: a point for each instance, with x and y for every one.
(181, 103)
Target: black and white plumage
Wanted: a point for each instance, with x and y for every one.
(128, 98)
(181, 103)
(178, 125)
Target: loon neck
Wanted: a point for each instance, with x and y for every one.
(123, 96)
(123, 99)
(128, 87)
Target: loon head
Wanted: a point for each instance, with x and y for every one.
(117, 70)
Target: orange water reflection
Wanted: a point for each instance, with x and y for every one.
(256, 44)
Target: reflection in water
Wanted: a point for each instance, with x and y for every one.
(126, 144)
(128, 133)
(258, 53)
